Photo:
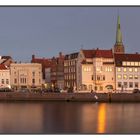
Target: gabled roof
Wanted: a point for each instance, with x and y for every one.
(3, 67)
(98, 53)
(6, 57)
(43, 61)
(89, 53)
(104, 53)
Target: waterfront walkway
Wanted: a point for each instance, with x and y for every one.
(98, 97)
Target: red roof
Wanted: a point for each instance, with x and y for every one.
(43, 61)
(3, 67)
(127, 57)
(104, 53)
(98, 53)
(89, 53)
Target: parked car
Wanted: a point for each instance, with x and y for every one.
(136, 91)
(5, 90)
(63, 91)
(23, 90)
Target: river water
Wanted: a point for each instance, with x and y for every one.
(69, 118)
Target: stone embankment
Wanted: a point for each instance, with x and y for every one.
(98, 97)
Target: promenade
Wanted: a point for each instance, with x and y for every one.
(89, 97)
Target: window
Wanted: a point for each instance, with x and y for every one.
(124, 63)
(130, 69)
(33, 81)
(132, 63)
(33, 73)
(87, 69)
(128, 63)
(136, 85)
(124, 76)
(124, 69)
(135, 69)
(103, 77)
(118, 69)
(2, 81)
(15, 81)
(91, 77)
(109, 69)
(119, 76)
(119, 84)
(7, 81)
(136, 63)
(101, 88)
(97, 69)
(135, 76)
(130, 76)
(98, 77)
(130, 84)
(125, 84)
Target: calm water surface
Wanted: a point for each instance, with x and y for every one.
(69, 117)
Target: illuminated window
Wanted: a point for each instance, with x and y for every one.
(136, 69)
(128, 63)
(130, 76)
(97, 69)
(130, 69)
(132, 63)
(136, 63)
(124, 76)
(124, 69)
(124, 63)
(135, 76)
(119, 76)
(118, 69)
(87, 69)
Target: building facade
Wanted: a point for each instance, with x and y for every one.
(95, 70)
(127, 72)
(4, 77)
(70, 70)
(26, 75)
(57, 72)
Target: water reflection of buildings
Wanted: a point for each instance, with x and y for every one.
(20, 118)
(61, 117)
(101, 124)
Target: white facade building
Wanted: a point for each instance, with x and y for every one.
(4, 76)
(95, 70)
(26, 75)
(127, 72)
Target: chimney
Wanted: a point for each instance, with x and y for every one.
(33, 56)
(60, 54)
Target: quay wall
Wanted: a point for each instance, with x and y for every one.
(98, 97)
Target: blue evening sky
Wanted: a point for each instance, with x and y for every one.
(45, 31)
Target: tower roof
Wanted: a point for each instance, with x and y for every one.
(118, 33)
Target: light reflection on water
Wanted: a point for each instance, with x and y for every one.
(69, 117)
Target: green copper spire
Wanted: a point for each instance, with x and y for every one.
(118, 33)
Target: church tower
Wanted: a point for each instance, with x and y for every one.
(119, 47)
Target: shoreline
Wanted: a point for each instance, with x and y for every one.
(74, 97)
